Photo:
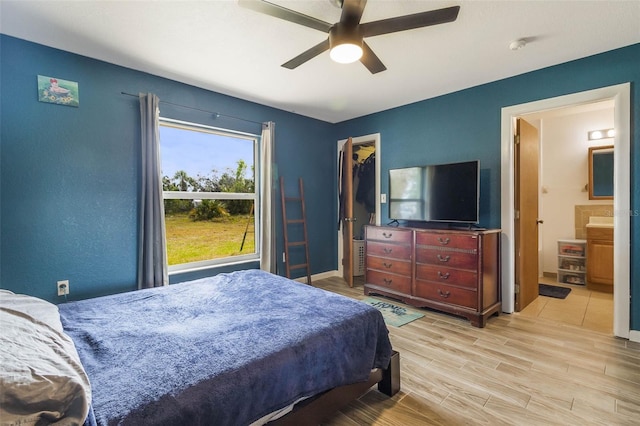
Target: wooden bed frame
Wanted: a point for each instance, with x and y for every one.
(314, 410)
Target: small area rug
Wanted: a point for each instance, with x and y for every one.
(394, 315)
(553, 291)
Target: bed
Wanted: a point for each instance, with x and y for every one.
(243, 348)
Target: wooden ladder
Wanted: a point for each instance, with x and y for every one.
(286, 222)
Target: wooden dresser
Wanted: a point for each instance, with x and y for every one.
(449, 270)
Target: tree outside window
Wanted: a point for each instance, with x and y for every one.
(210, 195)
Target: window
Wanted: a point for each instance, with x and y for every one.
(210, 194)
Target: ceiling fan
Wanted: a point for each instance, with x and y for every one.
(346, 38)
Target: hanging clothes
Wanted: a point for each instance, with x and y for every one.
(366, 192)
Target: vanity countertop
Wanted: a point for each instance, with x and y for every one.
(600, 222)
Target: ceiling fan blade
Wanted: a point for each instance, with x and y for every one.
(286, 14)
(370, 60)
(352, 11)
(409, 22)
(307, 55)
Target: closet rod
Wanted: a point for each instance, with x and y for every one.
(215, 114)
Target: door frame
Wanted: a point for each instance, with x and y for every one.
(359, 140)
(620, 94)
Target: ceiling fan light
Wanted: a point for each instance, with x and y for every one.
(346, 44)
(345, 53)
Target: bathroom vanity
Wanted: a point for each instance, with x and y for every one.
(600, 254)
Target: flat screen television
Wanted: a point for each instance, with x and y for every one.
(436, 193)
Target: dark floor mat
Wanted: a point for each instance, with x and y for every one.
(553, 291)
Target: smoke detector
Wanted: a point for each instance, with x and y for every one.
(517, 44)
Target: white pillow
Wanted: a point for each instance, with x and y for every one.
(41, 376)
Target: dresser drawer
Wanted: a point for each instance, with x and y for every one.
(394, 251)
(447, 275)
(390, 235)
(447, 258)
(446, 240)
(386, 264)
(399, 283)
(446, 294)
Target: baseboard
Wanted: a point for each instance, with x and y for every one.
(320, 276)
(634, 335)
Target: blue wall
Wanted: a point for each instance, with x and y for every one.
(69, 176)
(466, 125)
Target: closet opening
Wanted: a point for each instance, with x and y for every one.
(365, 197)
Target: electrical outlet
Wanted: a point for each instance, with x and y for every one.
(63, 287)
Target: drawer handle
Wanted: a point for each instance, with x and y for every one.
(444, 241)
(444, 294)
(387, 250)
(443, 258)
(387, 265)
(389, 235)
(443, 276)
(387, 281)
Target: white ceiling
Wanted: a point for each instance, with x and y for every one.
(218, 45)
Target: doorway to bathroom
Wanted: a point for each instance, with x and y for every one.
(619, 96)
(565, 210)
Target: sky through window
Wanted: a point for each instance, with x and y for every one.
(199, 153)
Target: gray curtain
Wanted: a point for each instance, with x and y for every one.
(267, 224)
(152, 252)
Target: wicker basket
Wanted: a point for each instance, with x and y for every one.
(358, 258)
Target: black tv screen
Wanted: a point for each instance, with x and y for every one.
(436, 193)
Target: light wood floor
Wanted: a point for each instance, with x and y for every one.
(592, 310)
(518, 370)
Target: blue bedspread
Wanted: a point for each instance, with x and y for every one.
(224, 350)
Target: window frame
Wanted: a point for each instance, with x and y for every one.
(188, 195)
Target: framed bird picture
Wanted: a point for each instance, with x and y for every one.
(58, 91)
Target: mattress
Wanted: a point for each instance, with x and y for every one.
(224, 350)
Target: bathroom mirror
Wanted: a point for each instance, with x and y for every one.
(601, 172)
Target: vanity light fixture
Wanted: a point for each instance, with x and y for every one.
(594, 135)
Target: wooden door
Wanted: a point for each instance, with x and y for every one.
(526, 213)
(347, 212)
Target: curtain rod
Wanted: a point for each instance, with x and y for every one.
(216, 114)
